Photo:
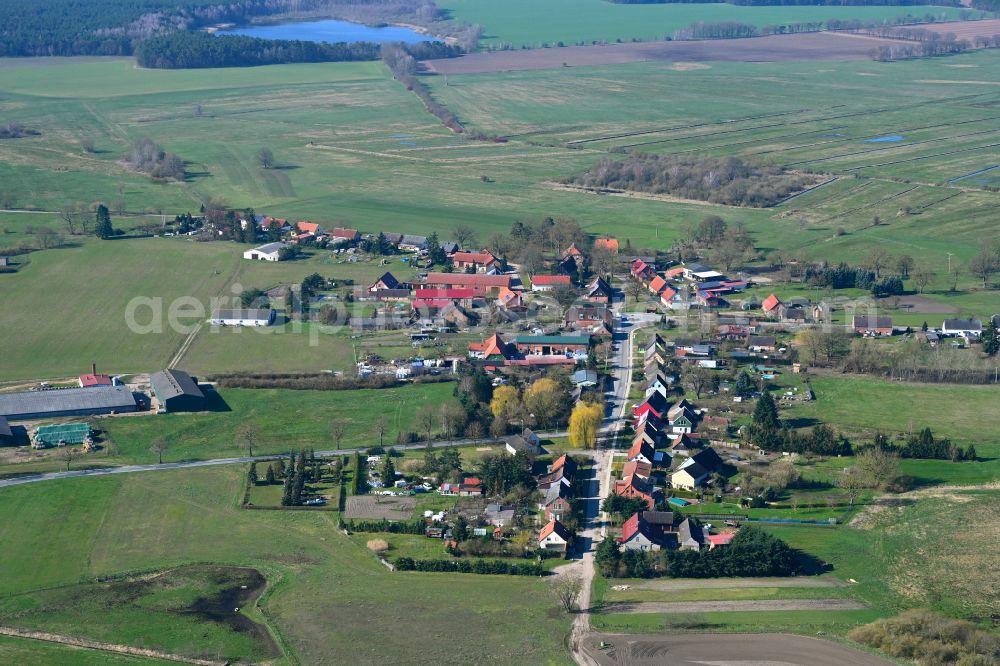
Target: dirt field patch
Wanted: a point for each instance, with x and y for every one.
(774, 48)
(377, 507)
(678, 584)
(722, 606)
(691, 649)
(924, 305)
(966, 29)
(689, 66)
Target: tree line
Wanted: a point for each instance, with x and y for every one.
(720, 180)
(403, 65)
(118, 27)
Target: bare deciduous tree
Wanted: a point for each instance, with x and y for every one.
(265, 157)
(338, 429)
(566, 589)
(247, 436)
(158, 447)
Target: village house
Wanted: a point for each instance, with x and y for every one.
(553, 345)
(695, 272)
(492, 347)
(648, 531)
(498, 515)
(386, 281)
(510, 300)
(637, 488)
(639, 468)
(770, 305)
(717, 540)
(646, 432)
(696, 470)
(479, 262)
(344, 236)
(557, 502)
(555, 537)
(464, 296)
(481, 285)
(599, 291)
(542, 283)
(761, 343)
(588, 317)
(641, 270)
(655, 403)
(640, 451)
(871, 325)
(515, 444)
(413, 243)
(609, 244)
(690, 535)
(268, 252)
(966, 328)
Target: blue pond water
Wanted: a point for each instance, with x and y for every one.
(329, 31)
(886, 139)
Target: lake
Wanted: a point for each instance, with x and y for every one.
(329, 31)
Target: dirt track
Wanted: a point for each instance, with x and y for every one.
(724, 606)
(724, 649)
(808, 46)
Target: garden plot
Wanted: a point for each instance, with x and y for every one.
(379, 507)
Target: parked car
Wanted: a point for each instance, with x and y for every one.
(318, 501)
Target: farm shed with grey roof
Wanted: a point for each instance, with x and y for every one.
(67, 402)
(177, 391)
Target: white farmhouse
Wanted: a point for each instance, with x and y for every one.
(251, 317)
(269, 252)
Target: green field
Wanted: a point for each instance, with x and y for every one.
(868, 405)
(325, 595)
(288, 421)
(586, 21)
(340, 128)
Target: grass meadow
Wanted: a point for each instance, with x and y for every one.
(586, 21)
(325, 594)
(39, 653)
(338, 129)
(288, 420)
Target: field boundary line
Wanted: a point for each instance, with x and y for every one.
(105, 647)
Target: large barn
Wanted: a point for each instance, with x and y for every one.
(67, 402)
(251, 317)
(177, 391)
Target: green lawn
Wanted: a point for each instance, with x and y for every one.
(326, 592)
(867, 405)
(288, 420)
(522, 23)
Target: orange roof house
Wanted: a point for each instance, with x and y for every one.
(657, 284)
(307, 227)
(610, 244)
(770, 303)
(572, 251)
(492, 346)
(674, 272)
